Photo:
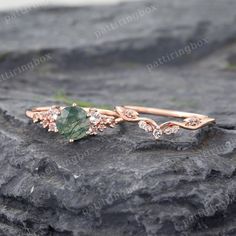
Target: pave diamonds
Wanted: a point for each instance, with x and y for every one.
(145, 126)
(110, 121)
(192, 121)
(47, 118)
(53, 114)
(156, 130)
(171, 129)
(99, 122)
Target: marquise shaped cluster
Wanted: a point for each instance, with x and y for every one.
(48, 118)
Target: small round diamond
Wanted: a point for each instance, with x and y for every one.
(142, 124)
(157, 133)
(52, 114)
(52, 117)
(52, 127)
(93, 130)
(110, 121)
(193, 121)
(95, 118)
(168, 131)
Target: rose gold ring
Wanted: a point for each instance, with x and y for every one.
(75, 122)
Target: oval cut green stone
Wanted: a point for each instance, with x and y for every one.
(73, 123)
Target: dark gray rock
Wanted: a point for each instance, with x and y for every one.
(121, 182)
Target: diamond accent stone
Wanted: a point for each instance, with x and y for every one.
(142, 124)
(92, 130)
(99, 122)
(192, 121)
(171, 129)
(48, 118)
(52, 127)
(157, 132)
(131, 113)
(52, 114)
(145, 126)
(95, 118)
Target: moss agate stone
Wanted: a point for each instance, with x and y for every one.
(73, 123)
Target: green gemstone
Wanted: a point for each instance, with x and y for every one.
(73, 123)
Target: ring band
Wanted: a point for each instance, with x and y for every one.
(76, 122)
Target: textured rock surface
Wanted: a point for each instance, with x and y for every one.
(121, 182)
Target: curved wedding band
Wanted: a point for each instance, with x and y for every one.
(75, 122)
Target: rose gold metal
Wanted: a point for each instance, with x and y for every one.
(163, 112)
(203, 120)
(122, 111)
(100, 119)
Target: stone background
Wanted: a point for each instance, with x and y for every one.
(121, 182)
